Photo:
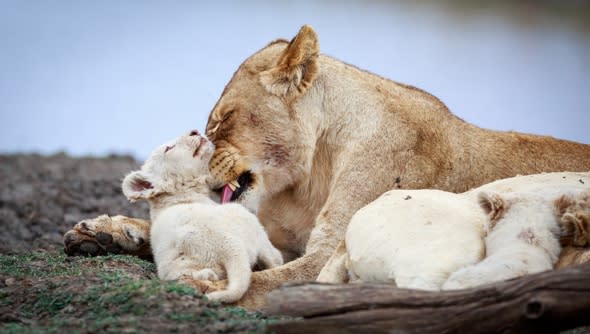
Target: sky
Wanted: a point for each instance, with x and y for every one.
(102, 77)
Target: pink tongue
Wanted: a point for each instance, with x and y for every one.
(226, 194)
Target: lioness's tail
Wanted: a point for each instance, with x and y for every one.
(238, 271)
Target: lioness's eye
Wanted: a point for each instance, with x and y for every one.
(212, 131)
(227, 115)
(168, 148)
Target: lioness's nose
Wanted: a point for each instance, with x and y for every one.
(194, 133)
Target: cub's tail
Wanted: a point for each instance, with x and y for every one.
(239, 272)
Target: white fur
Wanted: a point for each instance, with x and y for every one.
(523, 241)
(413, 238)
(430, 239)
(209, 241)
(192, 235)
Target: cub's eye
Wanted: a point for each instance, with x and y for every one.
(168, 148)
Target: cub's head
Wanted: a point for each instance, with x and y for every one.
(256, 131)
(522, 208)
(180, 164)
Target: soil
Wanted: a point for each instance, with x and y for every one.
(43, 197)
(42, 290)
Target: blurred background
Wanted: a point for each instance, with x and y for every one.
(111, 76)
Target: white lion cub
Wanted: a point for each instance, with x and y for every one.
(432, 240)
(192, 234)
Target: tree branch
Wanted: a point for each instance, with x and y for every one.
(545, 302)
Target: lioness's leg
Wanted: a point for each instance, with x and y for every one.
(349, 194)
(104, 234)
(335, 270)
(327, 233)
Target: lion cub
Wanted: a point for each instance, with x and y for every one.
(432, 240)
(192, 234)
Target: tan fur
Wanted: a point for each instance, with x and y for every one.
(322, 151)
(574, 219)
(573, 214)
(571, 256)
(323, 138)
(110, 234)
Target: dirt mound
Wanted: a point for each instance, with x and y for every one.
(43, 197)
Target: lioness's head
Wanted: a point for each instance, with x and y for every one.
(254, 126)
(171, 168)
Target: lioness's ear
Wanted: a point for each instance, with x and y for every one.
(136, 185)
(297, 66)
(493, 205)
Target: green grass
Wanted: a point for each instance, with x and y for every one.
(52, 293)
(43, 264)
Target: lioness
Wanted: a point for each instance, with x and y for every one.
(311, 140)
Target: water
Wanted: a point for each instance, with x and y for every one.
(124, 76)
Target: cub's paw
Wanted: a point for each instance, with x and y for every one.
(104, 234)
(465, 278)
(421, 283)
(205, 275)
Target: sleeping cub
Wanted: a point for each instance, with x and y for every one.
(192, 234)
(432, 240)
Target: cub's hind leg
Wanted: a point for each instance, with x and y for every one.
(269, 256)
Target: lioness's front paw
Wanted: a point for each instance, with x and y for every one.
(104, 234)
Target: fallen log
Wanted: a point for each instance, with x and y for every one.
(541, 303)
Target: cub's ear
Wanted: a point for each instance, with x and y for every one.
(563, 203)
(297, 66)
(137, 185)
(574, 220)
(493, 205)
(574, 229)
